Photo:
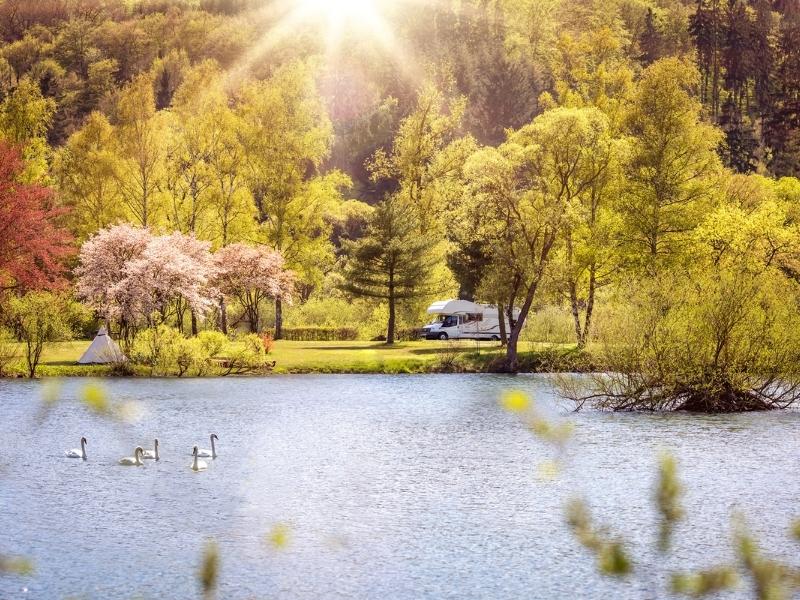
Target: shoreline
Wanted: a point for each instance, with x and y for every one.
(343, 358)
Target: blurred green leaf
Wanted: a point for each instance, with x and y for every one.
(95, 398)
(516, 401)
(15, 565)
(209, 569)
(668, 494)
(279, 536)
(704, 583)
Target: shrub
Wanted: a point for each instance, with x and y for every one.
(719, 341)
(213, 342)
(248, 356)
(80, 319)
(38, 318)
(9, 351)
(408, 334)
(268, 341)
(191, 354)
(320, 334)
(158, 348)
(550, 324)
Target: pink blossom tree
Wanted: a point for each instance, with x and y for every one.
(128, 275)
(101, 272)
(173, 269)
(252, 275)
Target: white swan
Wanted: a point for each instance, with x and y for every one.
(153, 455)
(133, 461)
(75, 453)
(203, 453)
(198, 465)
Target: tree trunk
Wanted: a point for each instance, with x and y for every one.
(587, 324)
(502, 320)
(223, 316)
(391, 325)
(180, 312)
(253, 317)
(278, 319)
(194, 323)
(512, 361)
(576, 312)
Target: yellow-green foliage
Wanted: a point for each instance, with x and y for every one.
(15, 565)
(612, 559)
(213, 342)
(157, 348)
(9, 350)
(246, 355)
(550, 324)
(166, 351)
(38, 318)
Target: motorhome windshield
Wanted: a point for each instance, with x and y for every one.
(445, 320)
(450, 321)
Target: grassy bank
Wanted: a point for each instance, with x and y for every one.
(59, 360)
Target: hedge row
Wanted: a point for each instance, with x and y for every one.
(320, 334)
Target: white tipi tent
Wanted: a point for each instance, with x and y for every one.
(102, 350)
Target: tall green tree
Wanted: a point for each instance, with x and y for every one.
(392, 262)
(38, 318)
(286, 135)
(194, 133)
(525, 194)
(87, 170)
(673, 165)
(708, 30)
(426, 157)
(782, 126)
(141, 147)
(25, 117)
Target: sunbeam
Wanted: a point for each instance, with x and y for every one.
(331, 22)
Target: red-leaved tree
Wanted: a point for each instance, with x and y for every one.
(33, 247)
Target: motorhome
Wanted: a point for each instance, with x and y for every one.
(461, 319)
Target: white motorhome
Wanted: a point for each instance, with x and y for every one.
(461, 319)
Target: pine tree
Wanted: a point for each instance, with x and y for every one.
(650, 42)
(736, 57)
(739, 147)
(762, 51)
(782, 127)
(706, 28)
(392, 262)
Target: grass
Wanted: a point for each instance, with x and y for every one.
(59, 359)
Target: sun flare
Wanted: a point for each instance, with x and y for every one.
(342, 13)
(338, 18)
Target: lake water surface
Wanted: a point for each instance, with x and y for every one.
(388, 486)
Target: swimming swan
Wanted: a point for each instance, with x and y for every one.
(198, 465)
(203, 453)
(75, 453)
(133, 461)
(153, 455)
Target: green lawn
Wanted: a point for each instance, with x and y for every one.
(369, 357)
(59, 359)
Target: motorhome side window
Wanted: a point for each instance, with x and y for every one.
(450, 321)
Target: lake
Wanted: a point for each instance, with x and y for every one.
(385, 486)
